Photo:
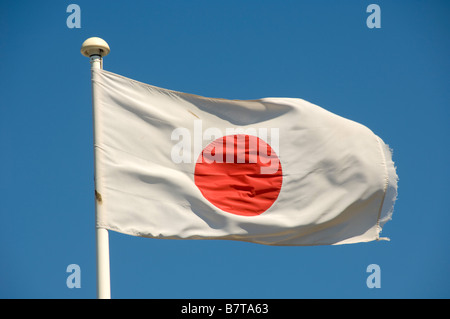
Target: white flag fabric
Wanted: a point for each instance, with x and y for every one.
(275, 171)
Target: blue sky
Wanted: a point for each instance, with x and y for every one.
(395, 80)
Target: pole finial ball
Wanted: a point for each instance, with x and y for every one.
(95, 46)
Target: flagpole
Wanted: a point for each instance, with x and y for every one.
(95, 49)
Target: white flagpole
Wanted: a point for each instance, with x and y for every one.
(95, 49)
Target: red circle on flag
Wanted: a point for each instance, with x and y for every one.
(240, 174)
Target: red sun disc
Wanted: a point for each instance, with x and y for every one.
(240, 174)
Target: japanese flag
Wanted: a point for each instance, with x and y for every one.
(275, 171)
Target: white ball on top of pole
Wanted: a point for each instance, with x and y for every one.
(95, 48)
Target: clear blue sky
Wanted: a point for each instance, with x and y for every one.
(395, 80)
